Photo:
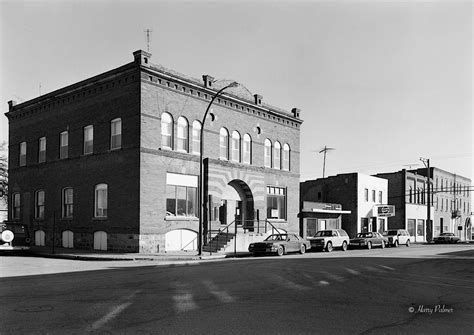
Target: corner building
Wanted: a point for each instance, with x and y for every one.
(112, 162)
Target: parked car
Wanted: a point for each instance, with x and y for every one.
(397, 237)
(330, 239)
(280, 244)
(446, 238)
(14, 236)
(368, 240)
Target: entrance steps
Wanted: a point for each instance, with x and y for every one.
(228, 242)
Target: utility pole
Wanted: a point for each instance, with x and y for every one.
(325, 150)
(148, 31)
(429, 226)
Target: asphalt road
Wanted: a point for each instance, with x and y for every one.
(356, 292)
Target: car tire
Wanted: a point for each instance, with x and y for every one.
(280, 250)
(395, 244)
(383, 244)
(369, 245)
(302, 249)
(408, 243)
(344, 246)
(329, 246)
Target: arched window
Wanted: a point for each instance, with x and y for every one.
(286, 157)
(100, 202)
(267, 154)
(196, 146)
(235, 146)
(167, 131)
(277, 156)
(247, 149)
(183, 143)
(224, 144)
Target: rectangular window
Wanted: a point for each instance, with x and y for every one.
(68, 202)
(88, 140)
(39, 205)
(63, 145)
(380, 197)
(411, 226)
(276, 203)
(381, 226)
(22, 153)
(420, 228)
(366, 194)
(16, 206)
(181, 195)
(373, 195)
(42, 150)
(101, 201)
(115, 134)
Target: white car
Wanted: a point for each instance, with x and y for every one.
(329, 239)
(397, 237)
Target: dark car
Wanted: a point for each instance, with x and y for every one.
(280, 244)
(368, 240)
(15, 236)
(446, 238)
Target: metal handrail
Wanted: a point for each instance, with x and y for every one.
(194, 239)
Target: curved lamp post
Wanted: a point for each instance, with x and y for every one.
(202, 203)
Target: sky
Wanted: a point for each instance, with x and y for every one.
(382, 82)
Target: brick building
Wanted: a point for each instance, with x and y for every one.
(358, 194)
(112, 162)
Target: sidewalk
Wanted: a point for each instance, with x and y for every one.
(97, 255)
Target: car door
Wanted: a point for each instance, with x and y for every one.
(293, 243)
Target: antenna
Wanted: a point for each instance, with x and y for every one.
(148, 31)
(325, 150)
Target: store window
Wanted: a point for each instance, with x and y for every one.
(420, 228)
(411, 226)
(181, 195)
(276, 203)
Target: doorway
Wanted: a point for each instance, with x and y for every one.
(236, 204)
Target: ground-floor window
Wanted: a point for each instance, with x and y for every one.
(181, 195)
(39, 238)
(364, 225)
(276, 203)
(420, 228)
(381, 226)
(411, 226)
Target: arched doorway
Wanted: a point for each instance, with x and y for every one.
(237, 204)
(180, 240)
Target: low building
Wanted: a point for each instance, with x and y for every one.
(113, 162)
(358, 193)
(316, 216)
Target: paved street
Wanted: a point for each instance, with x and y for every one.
(421, 289)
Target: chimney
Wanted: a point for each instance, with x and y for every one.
(258, 99)
(11, 104)
(142, 57)
(296, 112)
(208, 80)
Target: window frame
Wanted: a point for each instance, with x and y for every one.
(286, 156)
(39, 207)
(116, 134)
(98, 190)
(67, 208)
(247, 154)
(182, 135)
(22, 154)
(224, 144)
(281, 194)
(16, 206)
(277, 155)
(88, 147)
(267, 153)
(167, 123)
(42, 150)
(63, 149)
(236, 152)
(196, 137)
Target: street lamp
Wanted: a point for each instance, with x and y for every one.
(202, 203)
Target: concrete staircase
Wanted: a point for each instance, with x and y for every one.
(218, 242)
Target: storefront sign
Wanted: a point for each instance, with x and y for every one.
(385, 210)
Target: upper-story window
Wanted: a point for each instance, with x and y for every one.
(39, 205)
(286, 157)
(115, 134)
(67, 202)
(88, 140)
(380, 197)
(16, 206)
(42, 150)
(166, 131)
(366, 194)
(63, 145)
(196, 140)
(373, 195)
(267, 153)
(100, 207)
(277, 155)
(235, 146)
(183, 142)
(247, 149)
(22, 154)
(224, 144)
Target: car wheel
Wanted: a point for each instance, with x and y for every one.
(383, 244)
(344, 246)
(302, 249)
(329, 247)
(369, 245)
(280, 251)
(395, 244)
(408, 243)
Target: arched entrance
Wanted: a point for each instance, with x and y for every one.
(237, 204)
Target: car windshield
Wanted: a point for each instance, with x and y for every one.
(364, 235)
(276, 237)
(390, 233)
(323, 233)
